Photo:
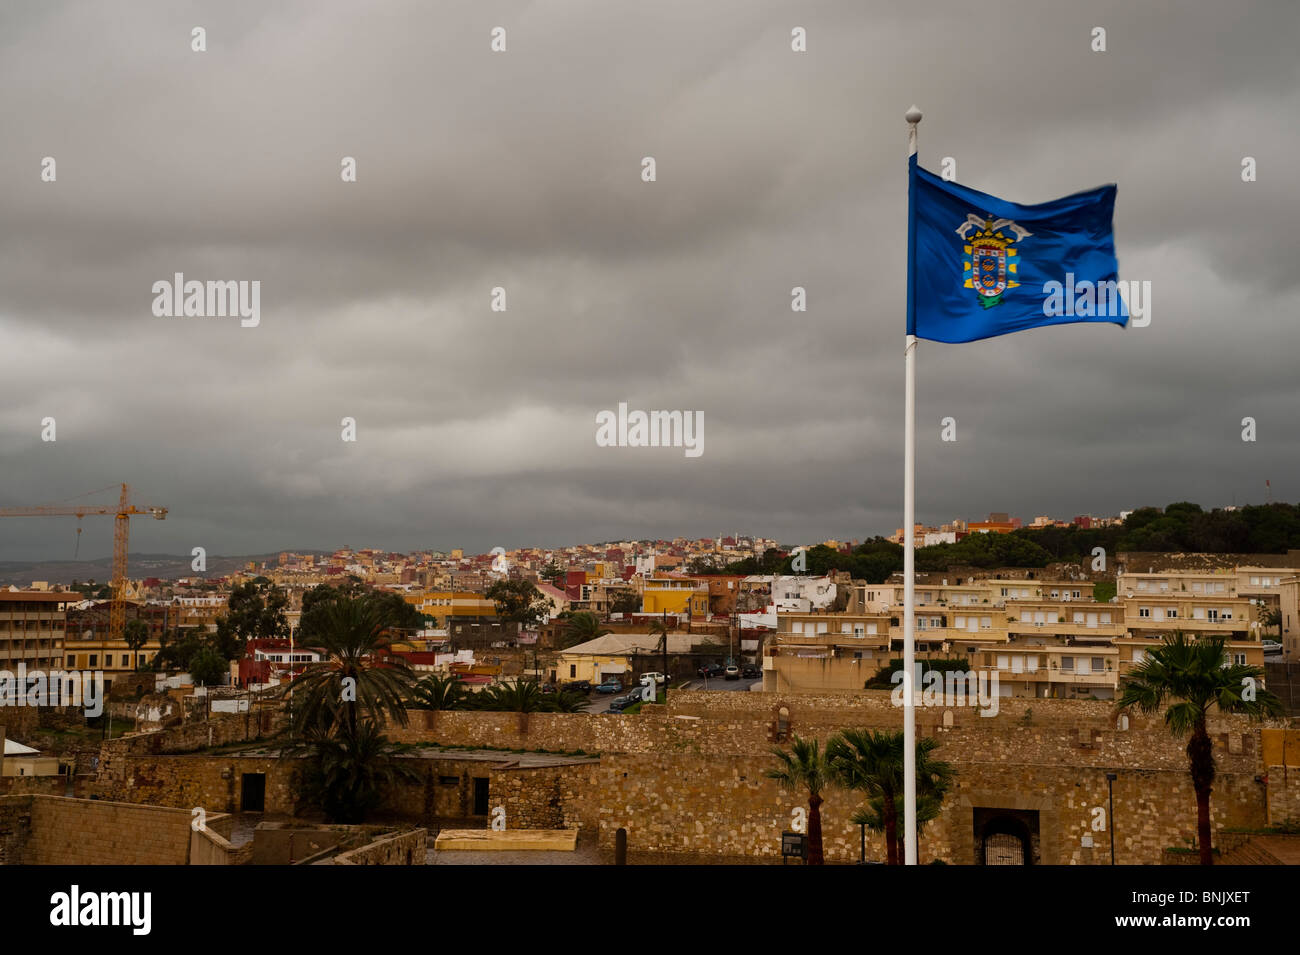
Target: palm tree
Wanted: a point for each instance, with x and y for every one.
(438, 692)
(519, 696)
(566, 701)
(805, 769)
(353, 682)
(136, 635)
(1198, 676)
(583, 626)
(872, 815)
(347, 775)
(872, 763)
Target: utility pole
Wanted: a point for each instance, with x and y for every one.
(664, 636)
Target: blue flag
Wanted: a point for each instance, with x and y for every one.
(980, 266)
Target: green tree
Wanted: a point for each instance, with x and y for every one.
(872, 763)
(553, 573)
(347, 774)
(208, 667)
(355, 682)
(513, 696)
(1270, 621)
(582, 626)
(872, 815)
(253, 612)
(402, 616)
(178, 649)
(565, 701)
(1188, 679)
(625, 602)
(805, 769)
(519, 601)
(136, 635)
(438, 692)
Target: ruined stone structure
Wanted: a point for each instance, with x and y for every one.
(689, 776)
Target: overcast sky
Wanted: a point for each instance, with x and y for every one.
(522, 169)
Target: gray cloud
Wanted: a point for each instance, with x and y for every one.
(522, 170)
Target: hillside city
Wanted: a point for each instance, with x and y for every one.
(619, 651)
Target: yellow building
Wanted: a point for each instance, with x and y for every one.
(675, 595)
(441, 604)
(616, 656)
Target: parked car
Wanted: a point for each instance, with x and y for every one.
(750, 672)
(711, 670)
(659, 678)
(733, 672)
(621, 703)
(548, 688)
(578, 686)
(1271, 647)
(609, 686)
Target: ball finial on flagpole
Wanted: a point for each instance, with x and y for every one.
(913, 115)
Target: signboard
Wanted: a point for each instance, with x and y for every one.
(794, 845)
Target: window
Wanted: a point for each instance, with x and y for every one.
(1075, 594)
(1144, 611)
(94, 657)
(1239, 659)
(1098, 664)
(72, 663)
(1067, 663)
(1139, 656)
(1173, 613)
(1142, 585)
(1078, 617)
(1254, 581)
(871, 628)
(960, 624)
(986, 622)
(1003, 661)
(573, 670)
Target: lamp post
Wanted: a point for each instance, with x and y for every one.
(1110, 797)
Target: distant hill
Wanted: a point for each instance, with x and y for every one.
(167, 566)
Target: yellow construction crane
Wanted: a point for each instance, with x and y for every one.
(122, 514)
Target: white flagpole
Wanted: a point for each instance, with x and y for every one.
(913, 117)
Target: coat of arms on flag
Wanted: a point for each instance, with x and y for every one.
(991, 257)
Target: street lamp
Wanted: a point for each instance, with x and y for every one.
(1110, 796)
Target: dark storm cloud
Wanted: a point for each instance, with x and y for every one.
(522, 170)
